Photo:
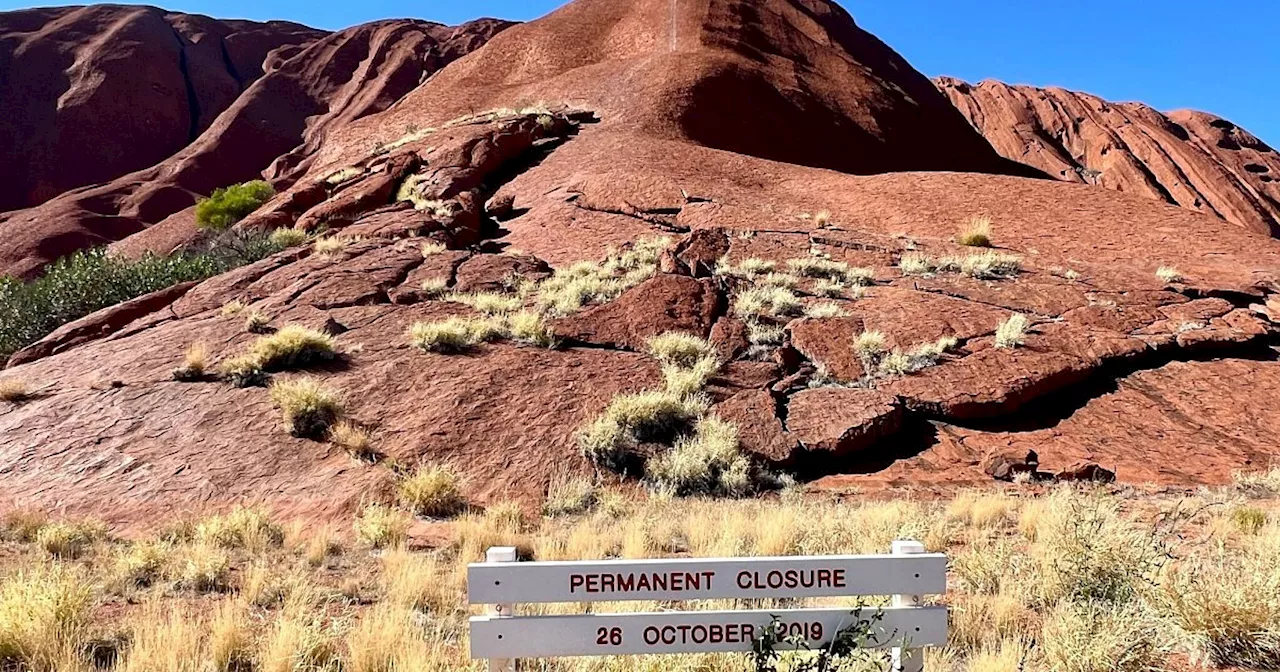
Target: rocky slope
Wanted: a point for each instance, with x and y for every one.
(88, 94)
(274, 126)
(641, 135)
(1186, 158)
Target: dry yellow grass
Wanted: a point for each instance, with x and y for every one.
(353, 438)
(1069, 579)
(432, 490)
(976, 232)
(14, 390)
(308, 407)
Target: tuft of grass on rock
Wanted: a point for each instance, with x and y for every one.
(488, 303)
(686, 381)
(530, 328)
(288, 237)
(456, 334)
(679, 348)
(293, 347)
(351, 437)
(991, 265)
(433, 490)
(976, 232)
(434, 288)
(243, 371)
(632, 419)
(195, 363)
(870, 346)
(431, 248)
(825, 310)
(308, 407)
(916, 263)
(1169, 275)
(707, 462)
(14, 391)
(757, 302)
(1012, 332)
(257, 322)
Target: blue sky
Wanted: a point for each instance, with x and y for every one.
(1222, 57)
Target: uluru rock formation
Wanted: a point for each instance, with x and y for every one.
(274, 125)
(774, 131)
(1187, 158)
(88, 94)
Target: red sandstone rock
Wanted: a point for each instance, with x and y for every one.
(842, 421)
(76, 108)
(1107, 374)
(1191, 159)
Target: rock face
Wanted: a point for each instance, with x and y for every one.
(1190, 159)
(640, 136)
(271, 129)
(88, 94)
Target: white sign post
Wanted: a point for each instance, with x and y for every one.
(906, 627)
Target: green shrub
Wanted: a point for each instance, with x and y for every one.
(228, 205)
(90, 280)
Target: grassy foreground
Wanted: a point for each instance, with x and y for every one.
(1062, 579)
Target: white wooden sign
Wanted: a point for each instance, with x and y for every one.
(740, 578)
(906, 627)
(694, 631)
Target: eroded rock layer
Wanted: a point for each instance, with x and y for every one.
(1187, 158)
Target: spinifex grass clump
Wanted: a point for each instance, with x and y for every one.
(308, 407)
(632, 419)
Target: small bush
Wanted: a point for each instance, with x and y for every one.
(772, 301)
(488, 302)
(829, 289)
(896, 363)
(679, 348)
(1249, 519)
(288, 237)
(293, 347)
(229, 205)
(243, 527)
(708, 462)
(90, 280)
(194, 363)
(570, 495)
(825, 310)
(434, 288)
(44, 618)
(142, 564)
(1259, 484)
(14, 391)
(22, 525)
(382, 526)
(455, 334)
(1091, 637)
(353, 438)
(976, 233)
(243, 371)
(203, 568)
(1012, 332)
(990, 265)
(870, 346)
(308, 407)
(914, 263)
(1226, 609)
(257, 322)
(632, 419)
(67, 541)
(685, 381)
(1168, 274)
(432, 248)
(530, 328)
(432, 490)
